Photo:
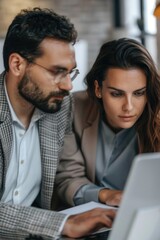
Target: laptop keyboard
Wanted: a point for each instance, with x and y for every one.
(97, 236)
(101, 236)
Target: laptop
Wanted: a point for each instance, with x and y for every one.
(138, 216)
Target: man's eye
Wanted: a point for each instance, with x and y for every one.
(58, 72)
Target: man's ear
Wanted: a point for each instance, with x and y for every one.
(98, 90)
(17, 64)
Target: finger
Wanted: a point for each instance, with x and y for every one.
(114, 200)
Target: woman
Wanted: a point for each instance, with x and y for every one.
(114, 120)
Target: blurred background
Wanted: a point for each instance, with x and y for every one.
(96, 21)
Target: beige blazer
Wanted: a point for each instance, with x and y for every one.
(77, 164)
(78, 159)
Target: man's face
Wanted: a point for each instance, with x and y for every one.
(46, 82)
(34, 94)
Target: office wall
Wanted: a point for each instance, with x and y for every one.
(94, 20)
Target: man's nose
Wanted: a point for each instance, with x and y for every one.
(66, 84)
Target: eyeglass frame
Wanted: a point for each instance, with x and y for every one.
(61, 74)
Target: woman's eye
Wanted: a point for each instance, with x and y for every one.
(138, 94)
(116, 94)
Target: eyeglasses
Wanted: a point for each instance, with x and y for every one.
(59, 74)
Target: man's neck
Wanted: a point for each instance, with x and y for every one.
(23, 109)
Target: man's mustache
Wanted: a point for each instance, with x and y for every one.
(59, 94)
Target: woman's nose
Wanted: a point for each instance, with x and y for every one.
(128, 104)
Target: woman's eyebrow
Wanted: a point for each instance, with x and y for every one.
(117, 89)
(141, 89)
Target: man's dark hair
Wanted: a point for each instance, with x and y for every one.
(30, 27)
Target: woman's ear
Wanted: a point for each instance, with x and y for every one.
(17, 64)
(98, 90)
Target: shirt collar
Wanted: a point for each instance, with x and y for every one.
(109, 134)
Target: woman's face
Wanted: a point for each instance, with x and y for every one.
(123, 94)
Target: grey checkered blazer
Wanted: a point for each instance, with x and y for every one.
(17, 222)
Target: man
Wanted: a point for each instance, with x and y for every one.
(35, 114)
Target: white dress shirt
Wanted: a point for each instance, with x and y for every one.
(23, 177)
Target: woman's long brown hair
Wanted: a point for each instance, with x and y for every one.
(128, 53)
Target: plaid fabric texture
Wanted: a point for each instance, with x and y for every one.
(18, 222)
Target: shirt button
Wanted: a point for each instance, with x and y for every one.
(22, 161)
(16, 193)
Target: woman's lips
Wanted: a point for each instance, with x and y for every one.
(127, 118)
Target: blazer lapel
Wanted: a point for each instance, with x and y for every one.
(6, 137)
(89, 142)
(49, 156)
(6, 140)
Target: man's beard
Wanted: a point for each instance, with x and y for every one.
(35, 96)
